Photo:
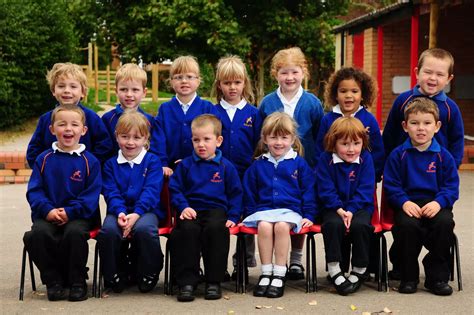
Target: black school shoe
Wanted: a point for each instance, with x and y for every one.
(362, 277)
(147, 283)
(55, 292)
(117, 284)
(213, 291)
(186, 293)
(276, 292)
(295, 272)
(343, 288)
(261, 290)
(408, 287)
(439, 288)
(78, 292)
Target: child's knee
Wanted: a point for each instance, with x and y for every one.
(282, 227)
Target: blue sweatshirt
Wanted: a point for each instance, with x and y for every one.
(111, 118)
(411, 175)
(171, 137)
(290, 185)
(240, 136)
(62, 180)
(349, 186)
(308, 114)
(370, 123)
(96, 139)
(207, 184)
(133, 190)
(450, 136)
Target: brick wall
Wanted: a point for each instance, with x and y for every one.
(370, 57)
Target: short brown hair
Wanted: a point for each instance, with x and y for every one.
(67, 69)
(437, 53)
(207, 120)
(184, 64)
(344, 128)
(421, 105)
(70, 108)
(289, 56)
(131, 71)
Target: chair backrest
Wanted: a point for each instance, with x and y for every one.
(165, 200)
(386, 213)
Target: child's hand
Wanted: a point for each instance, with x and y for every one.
(306, 223)
(188, 214)
(347, 219)
(53, 216)
(229, 224)
(167, 172)
(430, 209)
(63, 215)
(131, 220)
(412, 209)
(122, 220)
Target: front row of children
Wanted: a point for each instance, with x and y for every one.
(279, 195)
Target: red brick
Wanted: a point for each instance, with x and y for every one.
(2, 179)
(9, 179)
(20, 179)
(23, 172)
(14, 165)
(7, 173)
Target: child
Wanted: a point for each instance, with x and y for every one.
(207, 194)
(421, 182)
(171, 138)
(241, 124)
(289, 67)
(433, 72)
(63, 193)
(132, 186)
(349, 93)
(278, 197)
(130, 87)
(68, 83)
(346, 192)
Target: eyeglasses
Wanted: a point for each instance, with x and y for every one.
(185, 77)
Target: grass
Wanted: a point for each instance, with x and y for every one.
(25, 128)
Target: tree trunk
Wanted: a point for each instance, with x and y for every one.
(261, 76)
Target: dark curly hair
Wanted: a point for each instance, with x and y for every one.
(367, 85)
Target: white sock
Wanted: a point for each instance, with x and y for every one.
(278, 271)
(334, 269)
(296, 255)
(267, 271)
(359, 270)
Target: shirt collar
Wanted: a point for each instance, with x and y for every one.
(120, 110)
(434, 146)
(216, 159)
(441, 96)
(336, 159)
(228, 106)
(337, 109)
(137, 160)
(78, 151)
(295, 98)
(291, 154)
(189, 103)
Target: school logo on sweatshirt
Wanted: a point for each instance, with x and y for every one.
(352, 176)
(145, 171)
(431, 167)
(248, 122)
(295, 174)
(216, 178)
(76, 176)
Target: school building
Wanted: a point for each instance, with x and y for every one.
(387, 43)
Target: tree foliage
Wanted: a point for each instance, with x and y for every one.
(35, 35)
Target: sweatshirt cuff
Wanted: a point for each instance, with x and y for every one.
(139, 211)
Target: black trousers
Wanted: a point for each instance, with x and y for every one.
(436, 234)
(59, 252)
(360, 231)
(207, 234)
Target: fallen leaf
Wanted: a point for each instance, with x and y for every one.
(353, 307)
(366, 313)
(39, 293)
(226, 297)
(230, 312)
(43, 309)
(267, 306)
(313, 302)
(258, 307)
(280, 308)
(387, 310)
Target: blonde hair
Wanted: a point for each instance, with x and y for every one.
(421, 105)
(437, 53)
(184, 64)
(280, 124)
(69, 108)
(232, 68)
(345, 128)
(207, 120)
(133, 119)
(131, 71)
(67, 69)
(289, 56)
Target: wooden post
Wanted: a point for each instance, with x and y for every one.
(434, 16)
(89, 60)
(154, 82)
(108, 84)
(306, 83)
(96, 73)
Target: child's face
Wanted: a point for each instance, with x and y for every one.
(131, 143)
(185, 84)
(279, 145)
(130, 93)
(433, 76)
(348, 149)
(421, 128)
(232, 90)
(68, 129)
(68, 91)
(289, 78)
(205, 142)
(349, 96)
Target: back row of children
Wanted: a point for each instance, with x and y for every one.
(278, 186)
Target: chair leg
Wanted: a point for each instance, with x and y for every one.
(22, 276)
(314, 278)
(240, 267)
(384, 274)
(94, 279)
(166, 280)
(308, 263)
(458, 262)
(32, 273)
(243, 264)
(379, 250)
